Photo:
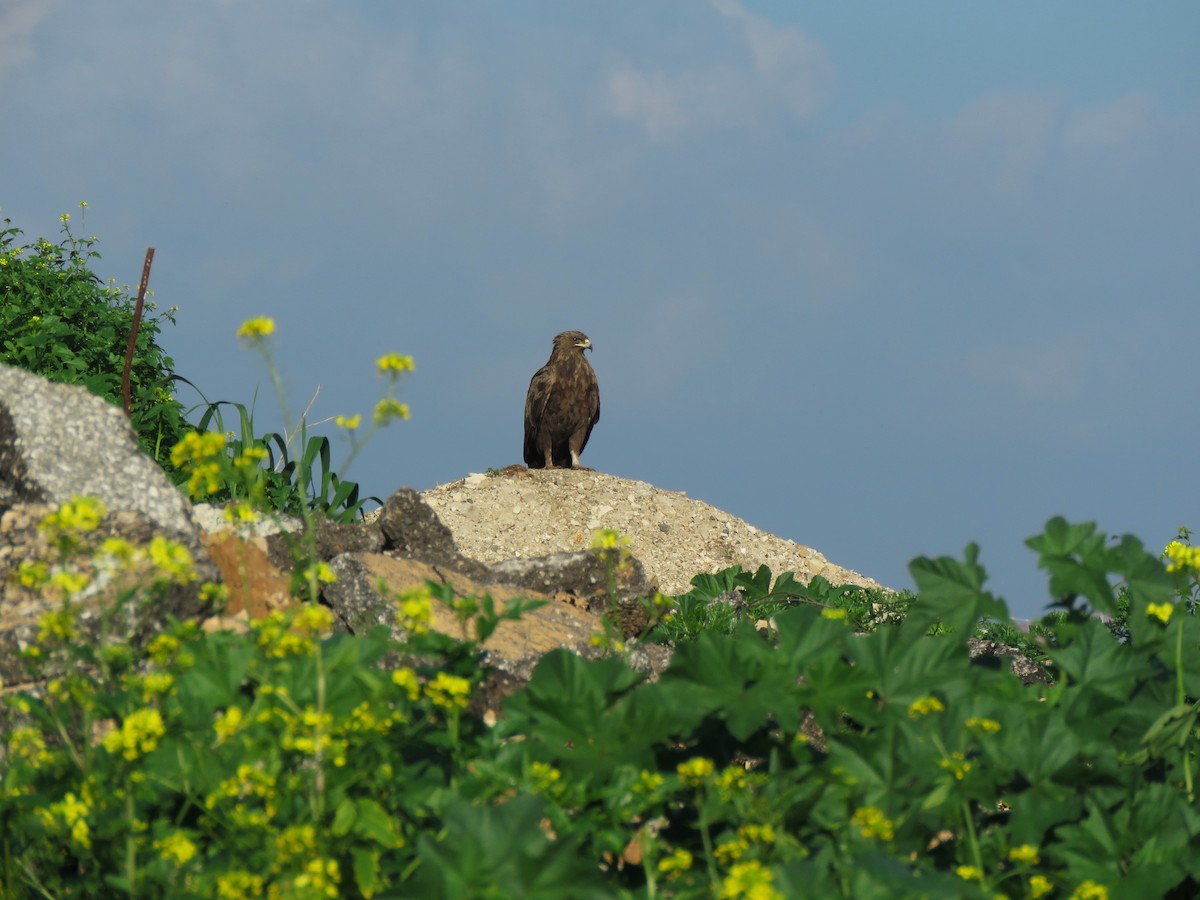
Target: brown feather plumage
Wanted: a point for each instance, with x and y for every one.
(562, 406)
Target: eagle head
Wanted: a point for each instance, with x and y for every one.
(572, 339)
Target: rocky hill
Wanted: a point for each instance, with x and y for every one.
(519, 513)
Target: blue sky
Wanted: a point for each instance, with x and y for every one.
(879, 278)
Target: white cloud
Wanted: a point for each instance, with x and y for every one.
(1013, 132)
(1055, 371)
(654, 100)
(778, 65)
(18, 19)
(791, 64)
(1108, 126)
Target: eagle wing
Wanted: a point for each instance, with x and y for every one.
(541, 386)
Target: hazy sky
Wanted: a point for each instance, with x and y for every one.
(882, 278)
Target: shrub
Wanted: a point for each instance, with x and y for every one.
(819, 762)
(60, 321)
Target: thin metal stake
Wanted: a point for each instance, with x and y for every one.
(137, 321)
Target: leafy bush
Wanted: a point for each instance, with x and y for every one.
(60, 321)
(819, 762)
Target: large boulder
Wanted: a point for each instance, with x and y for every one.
(58, 441)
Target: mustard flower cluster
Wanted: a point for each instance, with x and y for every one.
(1039, 886)
(257, 328)
(834, 613)
(695, 771)
(69, 815)
(872, 823)
(678, 861)
(138, 735)
(751, 880)
(1160, 611)
(248, 797)
(1181, 557)
(448, 691)
(394, 363)
(987, 726)
(407, 679)
(176, 848)
(924, 706)
(198, 455)
(414, 612)
(276, 636)
(956, 764)
(969, 873)
(1090, 890)
(1026, 854)
(747, 836)
(388, 409)
(543, 777)
(73, 519)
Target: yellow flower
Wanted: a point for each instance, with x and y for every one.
(693, 772)
(1026, 853)
(239, 885)
(1160, 611)
(544, 776)
(227, 723)
(407, 679)
(77, 516)
(648, 782)
(70, 583)
(923, 706)
(990, 726)
(58, 624)
(956, 763)
(27, 743)
(257, 328)
(448, 691)
(394, 362)
(155, 684)
(174, 561)
(32, 574)
(609, 539)
(241, 513)
(679, 861)
(348, 422)
(834, 613)
(752, 880)
(138, 734)
(872, 823)
(1090, 890)
(176, 848)
(415, 612)
(1039, 886)
(1180, 556)
(388, 409)
(969, 873)
(72, 812)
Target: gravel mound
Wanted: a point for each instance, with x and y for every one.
(519, 513)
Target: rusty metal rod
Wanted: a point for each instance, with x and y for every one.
(133, 331)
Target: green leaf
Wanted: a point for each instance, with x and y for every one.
(343, 818)
(372, 821)
(951, 593)
(366, 870)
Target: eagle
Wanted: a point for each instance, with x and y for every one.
(562, 406)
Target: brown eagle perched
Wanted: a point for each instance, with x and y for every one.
(562, 405)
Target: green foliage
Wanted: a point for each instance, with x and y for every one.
(722, 601)
(282, 483)
(815, 761)
(60, 321)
